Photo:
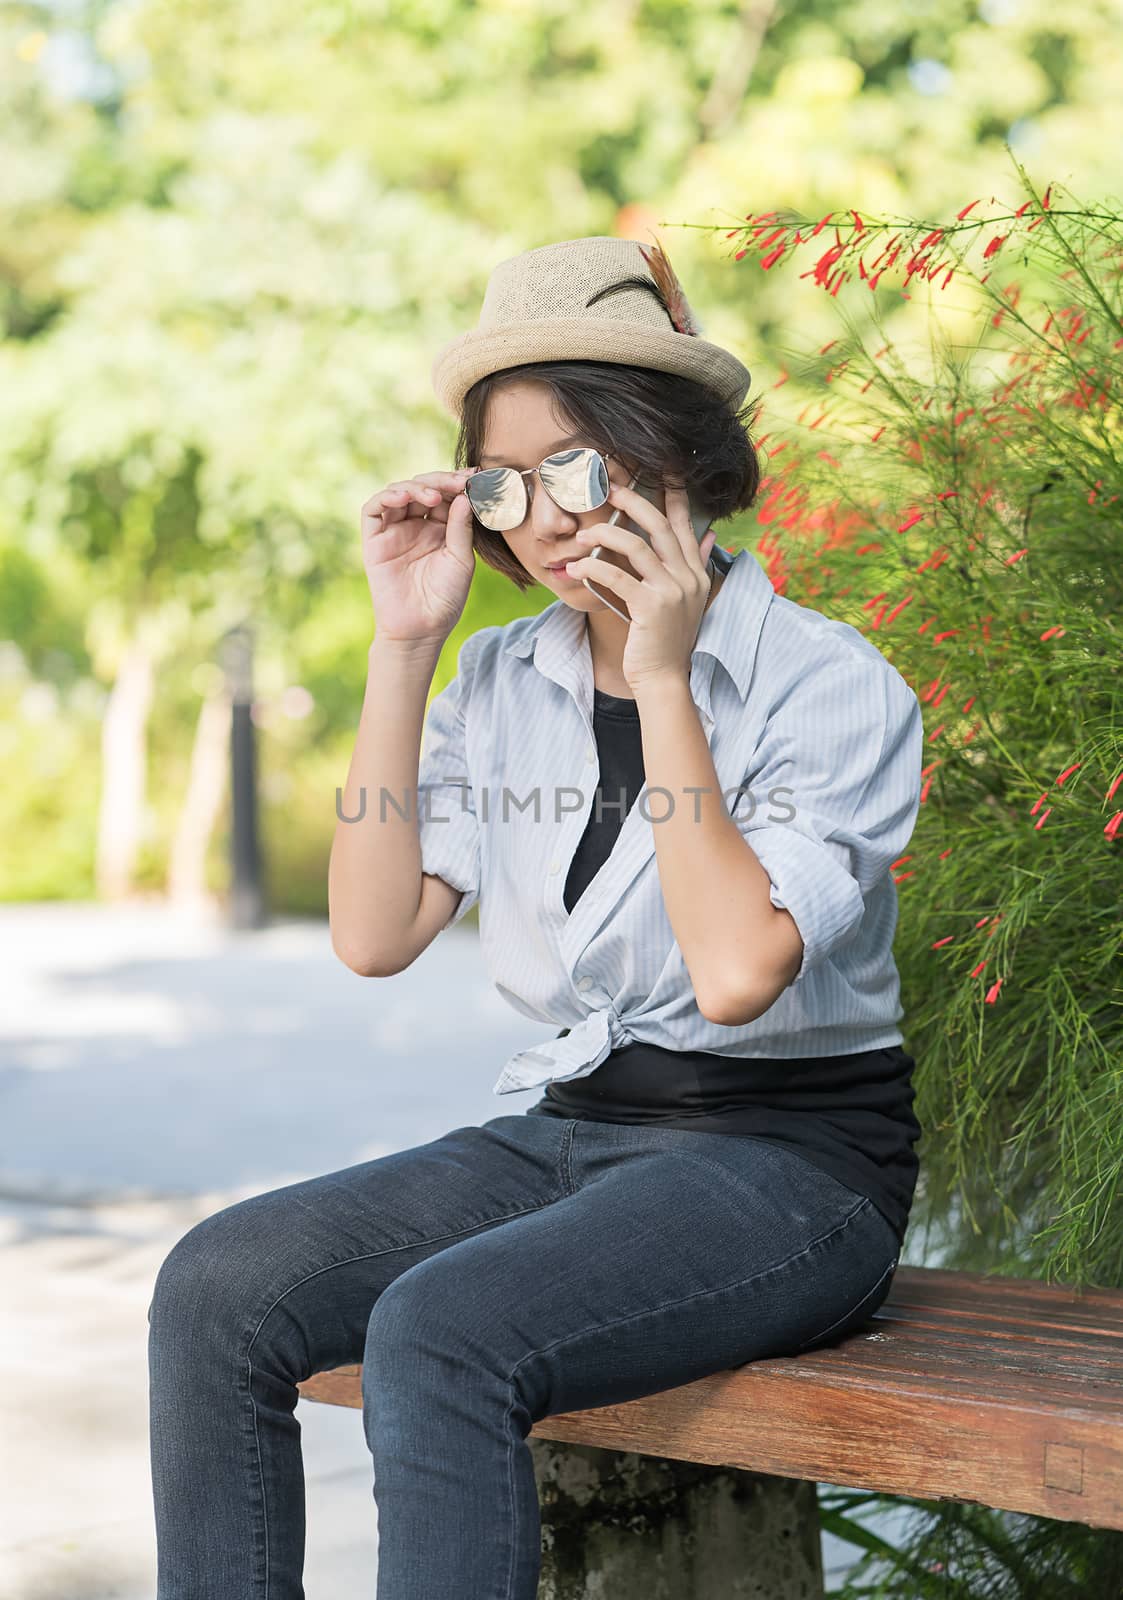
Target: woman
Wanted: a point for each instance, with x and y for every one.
(720, 1167)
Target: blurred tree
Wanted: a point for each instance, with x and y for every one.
(237, 233)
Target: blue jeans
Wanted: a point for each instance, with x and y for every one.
(496, 1275)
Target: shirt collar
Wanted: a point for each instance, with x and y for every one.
(729, 629)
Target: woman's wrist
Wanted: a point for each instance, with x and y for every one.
(405, 654)
(660, 689)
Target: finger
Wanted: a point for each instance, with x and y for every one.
(389, 505)
(446, 482)
(615, 578)
(630, 545)
(398, 500)
(451, 482)
(459, 533)
(412, 491)
(695, 552)
(397, 512)
(665, 541)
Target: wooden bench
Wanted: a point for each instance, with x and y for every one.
(962, 1386)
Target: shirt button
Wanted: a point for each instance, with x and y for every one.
(589, 754)
(584, 983)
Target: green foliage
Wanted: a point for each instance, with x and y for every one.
(968, 517)
(49, 742)
(960, 1551)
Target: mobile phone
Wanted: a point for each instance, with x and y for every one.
(700, 521)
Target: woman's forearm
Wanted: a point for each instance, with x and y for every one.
(374, 872)
(740, 950)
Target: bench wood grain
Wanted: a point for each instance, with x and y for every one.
(963, 1386)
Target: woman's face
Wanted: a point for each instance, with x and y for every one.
(521, 431)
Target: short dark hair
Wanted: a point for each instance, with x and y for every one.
(664, 424)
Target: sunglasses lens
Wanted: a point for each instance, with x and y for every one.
(576, 479)
(498, 497)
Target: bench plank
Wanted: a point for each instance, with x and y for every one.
(963, 1386)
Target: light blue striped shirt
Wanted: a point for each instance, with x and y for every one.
(802, 713)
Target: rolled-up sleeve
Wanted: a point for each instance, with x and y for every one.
(833, 796)
(446, 813)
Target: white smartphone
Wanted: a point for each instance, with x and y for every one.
(700, 521)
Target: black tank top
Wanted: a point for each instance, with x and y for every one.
(849, 1115)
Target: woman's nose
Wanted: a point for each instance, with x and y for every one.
(545, 513)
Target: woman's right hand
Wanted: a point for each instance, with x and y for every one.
(417, 554)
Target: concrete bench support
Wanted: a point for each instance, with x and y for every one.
(637, 1527)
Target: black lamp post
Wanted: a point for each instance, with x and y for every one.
(246, 907)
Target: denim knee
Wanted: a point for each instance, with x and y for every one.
(425, 1319)
(210, 1276)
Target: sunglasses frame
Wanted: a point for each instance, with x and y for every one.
(527, 472)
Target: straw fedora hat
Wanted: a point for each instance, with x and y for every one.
(593, 299)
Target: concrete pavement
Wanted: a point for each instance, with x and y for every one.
(154, 1068)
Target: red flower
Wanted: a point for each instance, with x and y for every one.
(1115, 782)
(976, 970)
(1051, 633)
(1113, 826)
(1067, 773)
(992, 992)
(1040, 823)
(939, 944)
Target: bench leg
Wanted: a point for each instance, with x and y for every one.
(640, 1527)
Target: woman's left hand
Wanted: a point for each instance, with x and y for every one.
(666, 601)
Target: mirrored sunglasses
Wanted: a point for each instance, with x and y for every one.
(576, 480)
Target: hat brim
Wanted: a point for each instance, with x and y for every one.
(474, 355)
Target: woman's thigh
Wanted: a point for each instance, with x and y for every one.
(669, 1256)
(287, 1278)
